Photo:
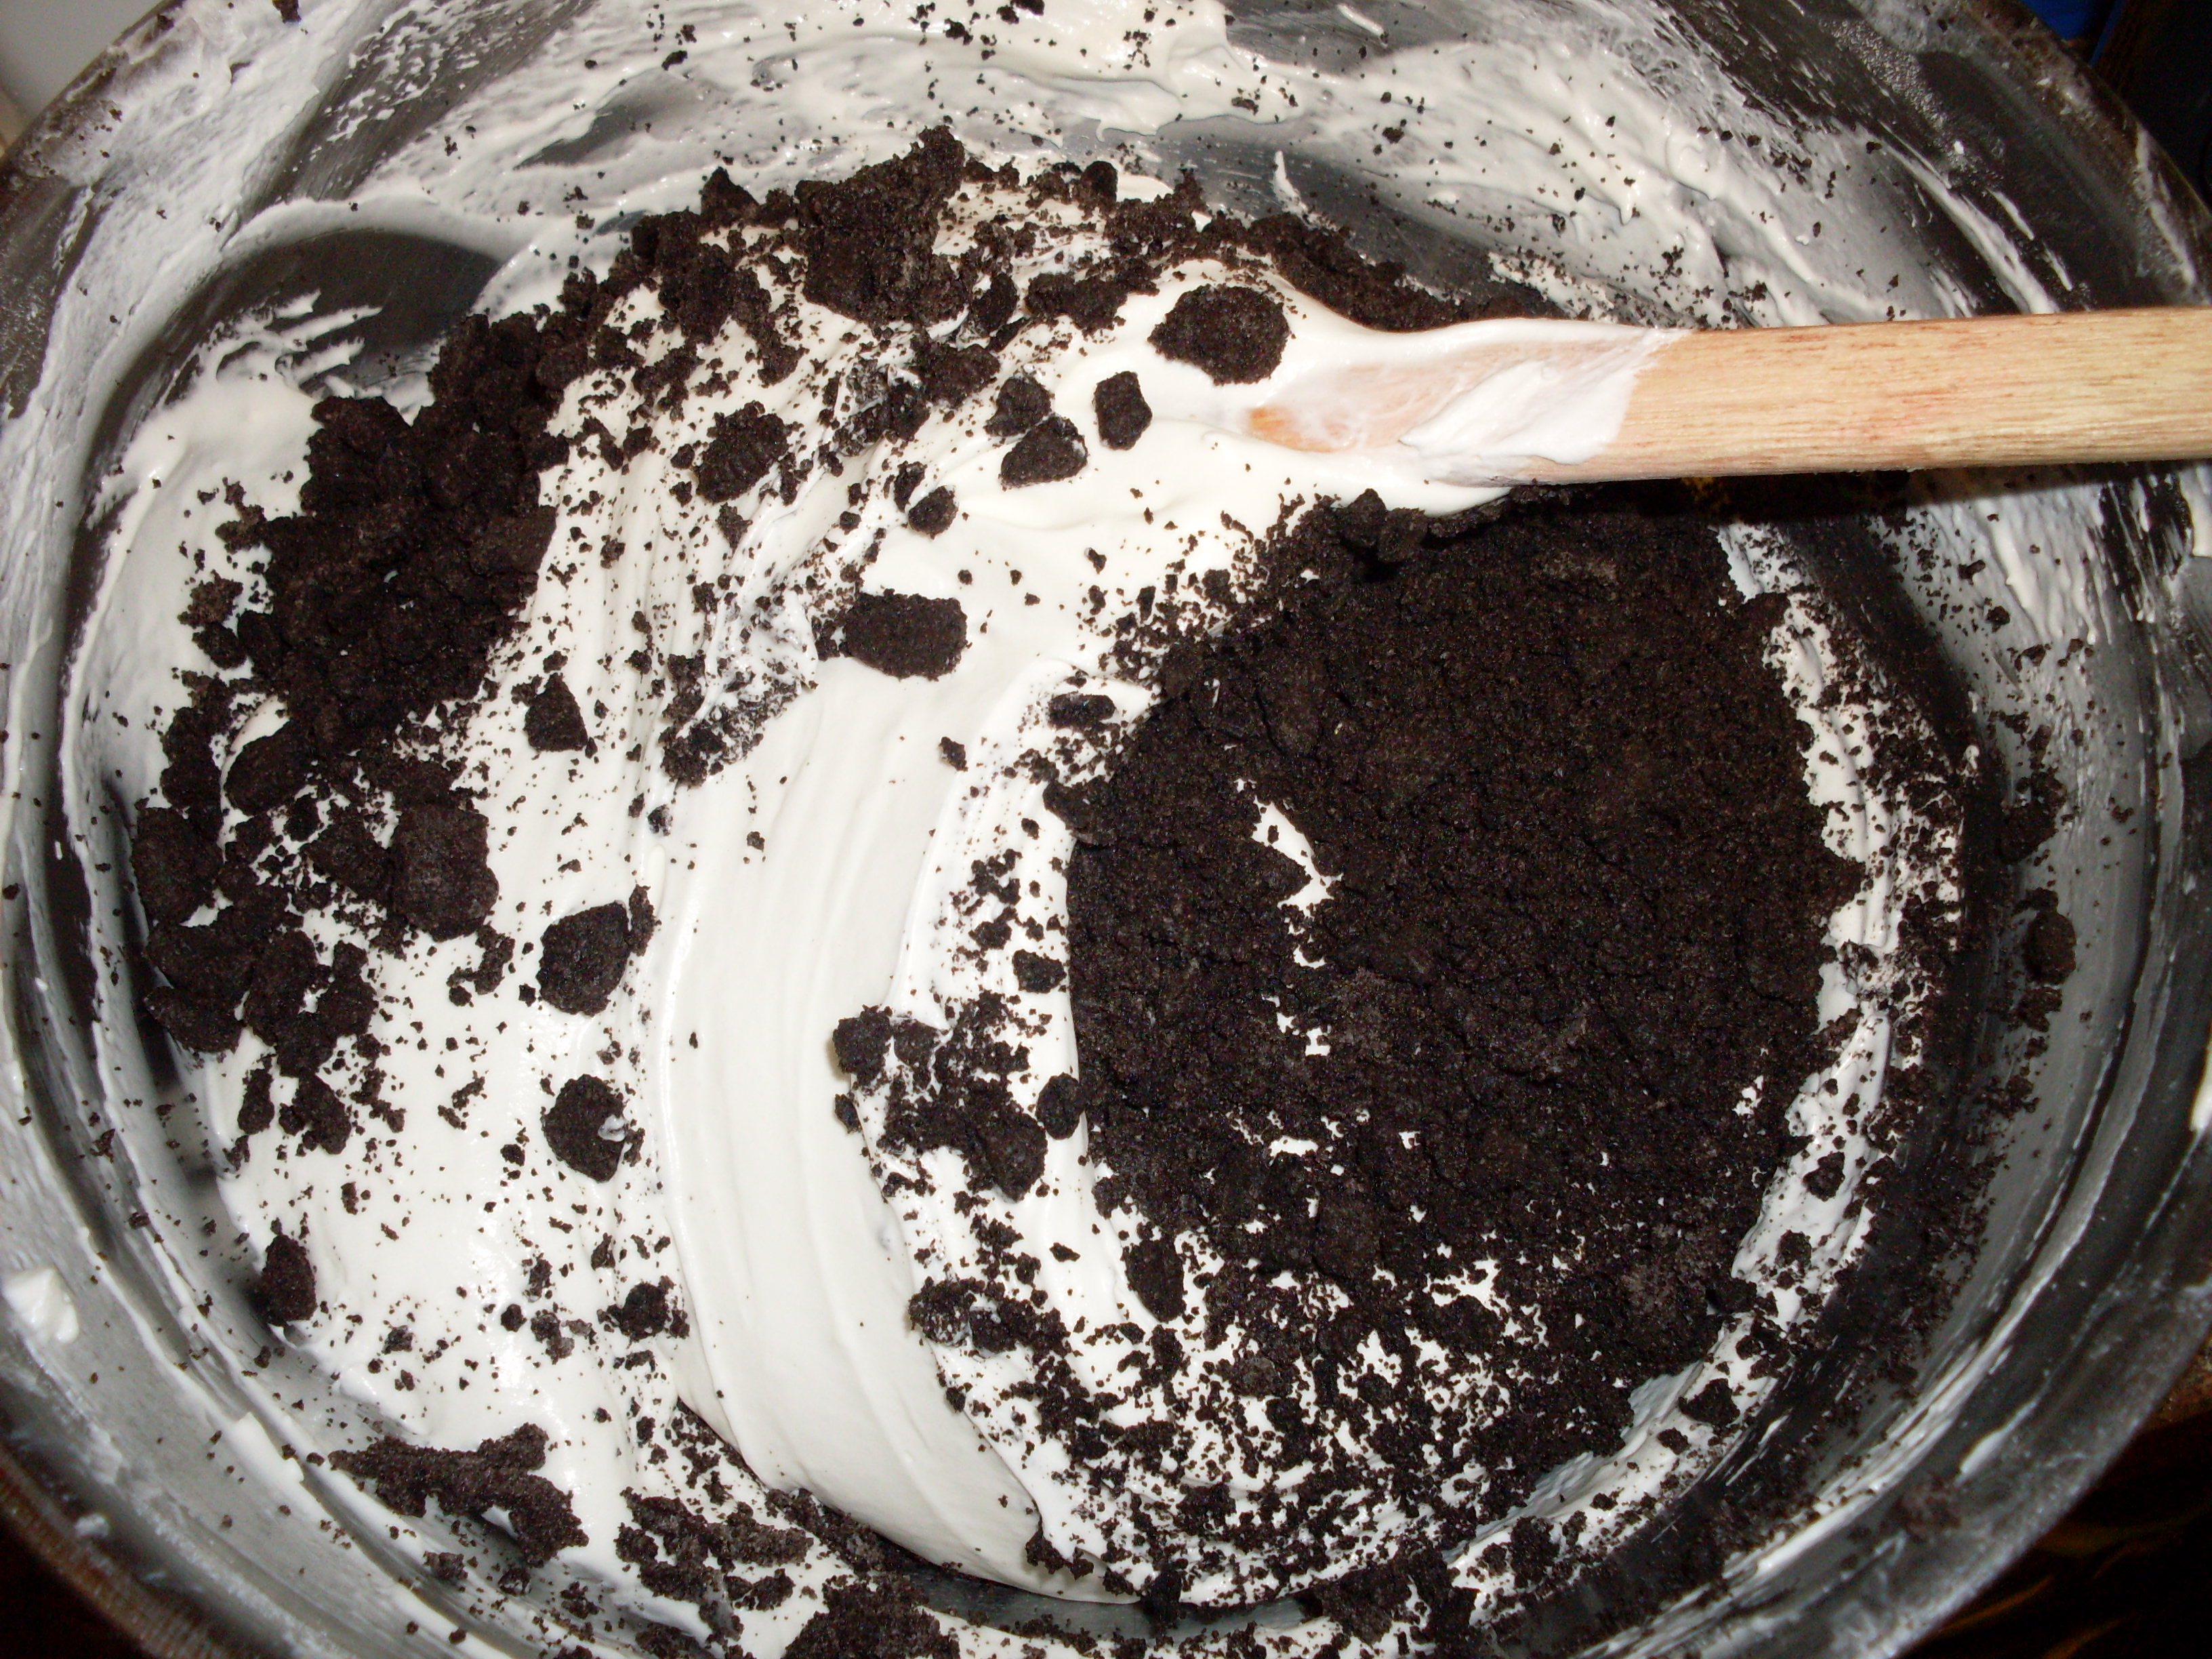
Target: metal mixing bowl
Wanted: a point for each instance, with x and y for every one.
(136, 1456)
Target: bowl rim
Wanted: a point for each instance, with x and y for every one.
(169, 1625)
(165, 1623)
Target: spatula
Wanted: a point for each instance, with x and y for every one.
(1515, 401)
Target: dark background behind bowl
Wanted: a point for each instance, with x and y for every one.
(2124, 1573)
(2157, 54)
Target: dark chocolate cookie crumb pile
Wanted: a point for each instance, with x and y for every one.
(414, 547)
(1123, 414)
(902, 635)
(1236, 334)
(1575, 905)
(577, 1127)
(498, 1474)
(1538, 995)
(285, 1289)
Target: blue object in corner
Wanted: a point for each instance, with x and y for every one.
(2072, 19)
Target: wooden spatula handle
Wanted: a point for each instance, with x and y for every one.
(2072, 386)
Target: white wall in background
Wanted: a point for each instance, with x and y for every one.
(43, 43)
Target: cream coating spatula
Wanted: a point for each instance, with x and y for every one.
(1534, 402)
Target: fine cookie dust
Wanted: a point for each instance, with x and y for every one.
(822, 943)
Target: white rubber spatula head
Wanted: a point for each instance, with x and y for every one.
(1529, 401)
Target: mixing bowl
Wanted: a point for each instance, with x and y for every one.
(1773, 161)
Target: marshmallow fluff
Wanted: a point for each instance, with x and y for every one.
(471, 1282)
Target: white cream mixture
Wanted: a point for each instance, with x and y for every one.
(821, 872)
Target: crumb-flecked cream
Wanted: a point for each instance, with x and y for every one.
(824, 867)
